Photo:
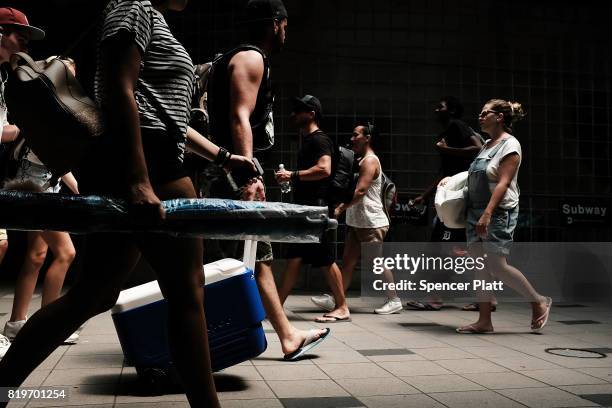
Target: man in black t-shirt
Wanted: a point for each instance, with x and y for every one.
(458, 144)
(310, 183)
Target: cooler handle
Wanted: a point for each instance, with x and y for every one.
(250, 253)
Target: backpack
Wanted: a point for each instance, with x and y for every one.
(57, 118)
(198, 117)
(388, 194)
(343, 180)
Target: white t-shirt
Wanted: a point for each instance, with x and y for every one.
(511, 145)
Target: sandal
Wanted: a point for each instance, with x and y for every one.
(415, 304)
(535, 325)
(470, 329)
(474, 307)
(310, 342)
(332, 319)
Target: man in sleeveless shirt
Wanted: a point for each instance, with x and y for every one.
(240, 107)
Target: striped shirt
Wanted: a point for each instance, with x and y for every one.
(166, 80)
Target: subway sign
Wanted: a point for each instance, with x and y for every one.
(585, 212)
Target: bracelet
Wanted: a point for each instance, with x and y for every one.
(295, 176)
(222, 157)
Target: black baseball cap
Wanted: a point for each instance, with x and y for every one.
(260, 10)
(308, 103)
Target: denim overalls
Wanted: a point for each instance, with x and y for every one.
(503, 221)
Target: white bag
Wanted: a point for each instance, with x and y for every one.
(450, 201)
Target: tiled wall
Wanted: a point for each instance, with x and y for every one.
(391, 60)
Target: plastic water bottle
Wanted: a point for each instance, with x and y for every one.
(285, 186)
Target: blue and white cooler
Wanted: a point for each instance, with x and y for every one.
(235, 332)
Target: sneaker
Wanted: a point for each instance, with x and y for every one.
(74, 337)
(391, 306)
(12, 328)
(4, 345)
(325, 302)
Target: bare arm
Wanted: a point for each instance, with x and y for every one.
(203, 147)
(319, 171)
(122, 66)
(470, 151)
(506, 171)
(200, 145)
(246, 71)
(367, 173)
(9, 133)
(71, 182)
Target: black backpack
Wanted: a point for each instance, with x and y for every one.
(345, 173)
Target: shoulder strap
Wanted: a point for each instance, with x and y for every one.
(246, 47)
(496, 149)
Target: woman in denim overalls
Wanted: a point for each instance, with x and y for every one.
(492, 212)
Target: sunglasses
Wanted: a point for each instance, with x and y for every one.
(485, 113)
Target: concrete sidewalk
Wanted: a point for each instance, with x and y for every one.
(411, 359)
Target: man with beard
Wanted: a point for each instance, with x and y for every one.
(240, 103)
(311, 181)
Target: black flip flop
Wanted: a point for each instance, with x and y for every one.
(308, 344)
(415, 304)
(474, 307)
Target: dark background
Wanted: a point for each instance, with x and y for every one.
(390, 61)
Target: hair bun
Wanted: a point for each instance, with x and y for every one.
(518, 113)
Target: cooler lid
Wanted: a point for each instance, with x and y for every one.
(137, 296)
(150, 292)
(223, 269)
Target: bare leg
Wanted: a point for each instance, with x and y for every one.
(350, 257)
(3, 249)
(517, 281)
(290, 337)
(63, 254)
(290, 276)
(95, 291)
(484, 323)
(28, 275)
(334, 280)
(181, 278)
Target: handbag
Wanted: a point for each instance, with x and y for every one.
(450, 201)
(57, 118)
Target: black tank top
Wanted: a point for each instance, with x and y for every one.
(262, 123)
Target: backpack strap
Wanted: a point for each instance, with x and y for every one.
(246, 47)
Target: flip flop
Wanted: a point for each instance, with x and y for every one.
(474, 307)
(544, 318)
(415, 304)
(308, 344)
(332, 319)
(471, 330)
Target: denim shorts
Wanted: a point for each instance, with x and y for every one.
(500, 231)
